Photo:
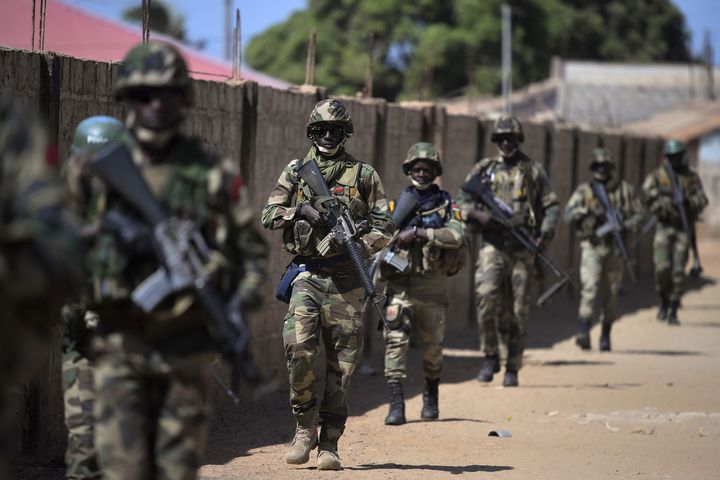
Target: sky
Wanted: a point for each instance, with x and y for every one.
(204, 18)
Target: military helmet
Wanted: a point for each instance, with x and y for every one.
(153, 65)
(422, 151)
(673, 147)
(96, 131)
(507, 124)
(601, 155)
(330, 111)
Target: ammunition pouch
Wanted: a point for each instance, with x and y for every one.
(284, 289)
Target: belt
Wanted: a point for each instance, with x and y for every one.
(318, 264)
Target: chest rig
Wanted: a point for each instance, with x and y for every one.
(512, 183)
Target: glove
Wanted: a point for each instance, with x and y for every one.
(310, 213)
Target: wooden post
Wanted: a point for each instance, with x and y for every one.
(370, 68)
(310, 66)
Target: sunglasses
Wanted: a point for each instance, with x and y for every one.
(146, 96)
(322, 130)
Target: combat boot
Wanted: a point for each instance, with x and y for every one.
(328, 457)
(605, 338)
(672, 315)
(305, 439)
(662, 313)
(490, 366)
(511, 378)
(396, 415)
(583, 337)
(430, 410)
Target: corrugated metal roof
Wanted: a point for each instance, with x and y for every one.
(685, 123)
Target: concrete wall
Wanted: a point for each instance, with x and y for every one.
(263, 129)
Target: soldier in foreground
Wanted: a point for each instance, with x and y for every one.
(674, 194)
(151, 365)
(323, 289)
(40, 255)
(523, 187)
(603, 250)
(423, 252)
(80, 324)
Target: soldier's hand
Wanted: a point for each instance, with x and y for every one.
(405, 237)
(309, 213)
(544, 239)
(480, 216)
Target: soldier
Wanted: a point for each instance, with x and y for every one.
(601, 261)
(672, 181)
(507, 267)
(79, 324)
(327, 296)
(40, 255)
(428, 245)
(151, 369)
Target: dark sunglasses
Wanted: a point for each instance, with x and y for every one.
(322, 130)
(146, 96)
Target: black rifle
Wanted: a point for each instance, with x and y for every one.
(500, 212)
(342, 228)
(182, 254)
(613, 225)
(405, 205)
(679, 199)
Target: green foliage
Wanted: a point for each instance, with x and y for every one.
(162, 19)
(428, 48)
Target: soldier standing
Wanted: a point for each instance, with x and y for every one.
(40, 255)
(601, 260)
(151, 369)
(80, 324)
(506, 266)
(327, 297)
(428, 246)
(674, 194)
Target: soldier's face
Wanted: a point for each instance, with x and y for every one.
(328, 137)
(422, 172)
(507, 144)
(677, 160)
(157, 109)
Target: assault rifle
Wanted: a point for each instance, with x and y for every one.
(613, 225)
(679, 199)
(406, 204)
(501, 212)
(182, 254)
(342, 228)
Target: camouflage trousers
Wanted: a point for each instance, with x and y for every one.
(504, 279)
(79, 396)
(324, 310)
(495, 336)
(151, 411)
(670, 247)
(415, 303)
(601, 274)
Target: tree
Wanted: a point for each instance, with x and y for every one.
(425, 48)
(162, 19)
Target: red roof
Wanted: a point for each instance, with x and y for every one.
(74, 32)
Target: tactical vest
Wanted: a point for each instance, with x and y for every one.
(515, 186)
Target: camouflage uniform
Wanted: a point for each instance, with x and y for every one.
(416, 296)
(326, 299)
(601, 263)
(39, 254)
(506, 266)
(79, 324)
(671, 242)
(151, 369)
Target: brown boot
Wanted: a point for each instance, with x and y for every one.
(305, 439)
(328, 458)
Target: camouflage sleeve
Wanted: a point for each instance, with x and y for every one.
(449, 237)
(548, 200)
(576, 209)
(697, 200)
(651, 193)
(278, 211)
(633, 213)
(381, 224)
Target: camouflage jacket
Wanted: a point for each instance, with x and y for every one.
(190, 184)
(440, 217)
(585, 213)
(658, 195)
(522, 184)
(40, 254)
(358, 186)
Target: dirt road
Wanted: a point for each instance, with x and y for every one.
(648, 409)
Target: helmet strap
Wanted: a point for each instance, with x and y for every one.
(152, 139)
(330, 152)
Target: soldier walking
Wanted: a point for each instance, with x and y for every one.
(674, 194)
(427, 247)
(601, 260)
(324, 293)
(151, 369)
(506, 266)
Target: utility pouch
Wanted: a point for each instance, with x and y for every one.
(284, 290)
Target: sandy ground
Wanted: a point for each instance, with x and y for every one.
(650, 409)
